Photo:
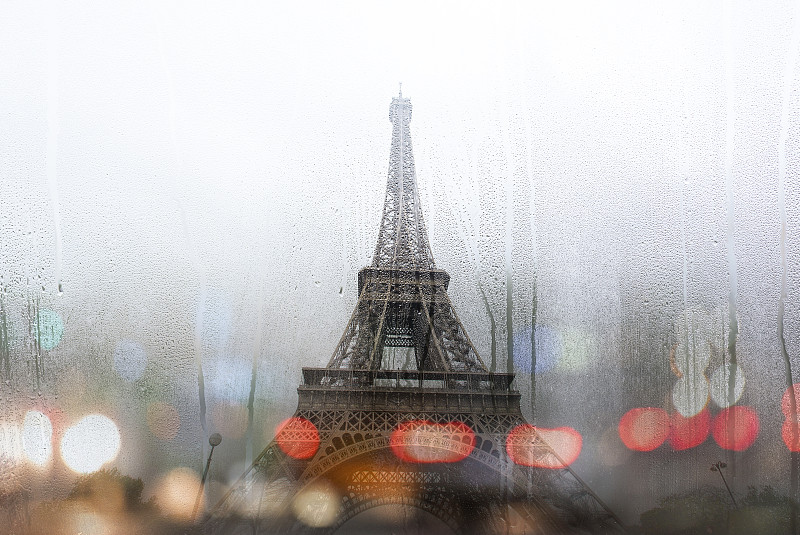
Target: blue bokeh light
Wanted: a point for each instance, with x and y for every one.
(549, 348)
(48, 328)
(130, 360)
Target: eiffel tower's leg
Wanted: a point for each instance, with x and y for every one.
(376, 351)
(422, 335)
(346, 351)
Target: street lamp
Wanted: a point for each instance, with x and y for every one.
(214, 440)
(717, 467)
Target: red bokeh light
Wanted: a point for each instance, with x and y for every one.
(298, 438)
(528, 446)
(644, 428)
(786, 400)
(791, 431)
(735, 428)
(791, 437)
(686, 433)
(423, 441)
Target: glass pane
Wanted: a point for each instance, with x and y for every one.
(213, 241)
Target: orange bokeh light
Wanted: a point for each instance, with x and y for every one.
(539, 447)
(686, 433)
(735, 428)
(297, 437)
(644, 428)
(176, 493)
(423, 441)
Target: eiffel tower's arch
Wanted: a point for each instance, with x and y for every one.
(464, 506)
(438, 504)
(467, 495)
(394, 518)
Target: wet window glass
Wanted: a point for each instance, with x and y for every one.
(251, 283)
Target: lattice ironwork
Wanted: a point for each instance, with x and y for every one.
(403, 299)
(356, 455)
(405, 308)
(402, 239)
(434, 436)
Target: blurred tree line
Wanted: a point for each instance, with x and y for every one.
(709, 510)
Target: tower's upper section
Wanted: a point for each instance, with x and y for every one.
(402, 239)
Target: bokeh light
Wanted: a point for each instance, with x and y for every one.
(37, 437)
(790, 432)
(10, 444)
(548, 345)
(317, 505)
(786, 400)
(423, 441)
(176, 493)
(528, 445)
(735, 428)
(690, 395)
(130, 360)
(720, 385)
(89, 444)
(298, 438)
(163, 420)
(47, 328)
(644, 428)
(686, 433)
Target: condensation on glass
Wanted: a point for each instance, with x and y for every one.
(188, 194)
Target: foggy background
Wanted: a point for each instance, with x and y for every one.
(188, 189)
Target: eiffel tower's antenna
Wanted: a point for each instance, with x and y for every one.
(402, 238)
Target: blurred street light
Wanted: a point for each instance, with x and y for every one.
(214, 440)
(717, 467)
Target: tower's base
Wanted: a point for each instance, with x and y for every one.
(430, 442)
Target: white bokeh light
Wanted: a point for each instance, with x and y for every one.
(316, 505)
(721, 387)
(37, 437)
(690, 395)
(10, 443)
(90, 443)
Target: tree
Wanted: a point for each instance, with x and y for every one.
(708, 510)
(107, 489)
(698, 512)
(764, 512)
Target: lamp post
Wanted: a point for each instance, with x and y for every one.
(717, 467)
(214, 440)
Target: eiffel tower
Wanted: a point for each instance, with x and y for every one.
(407, 414)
